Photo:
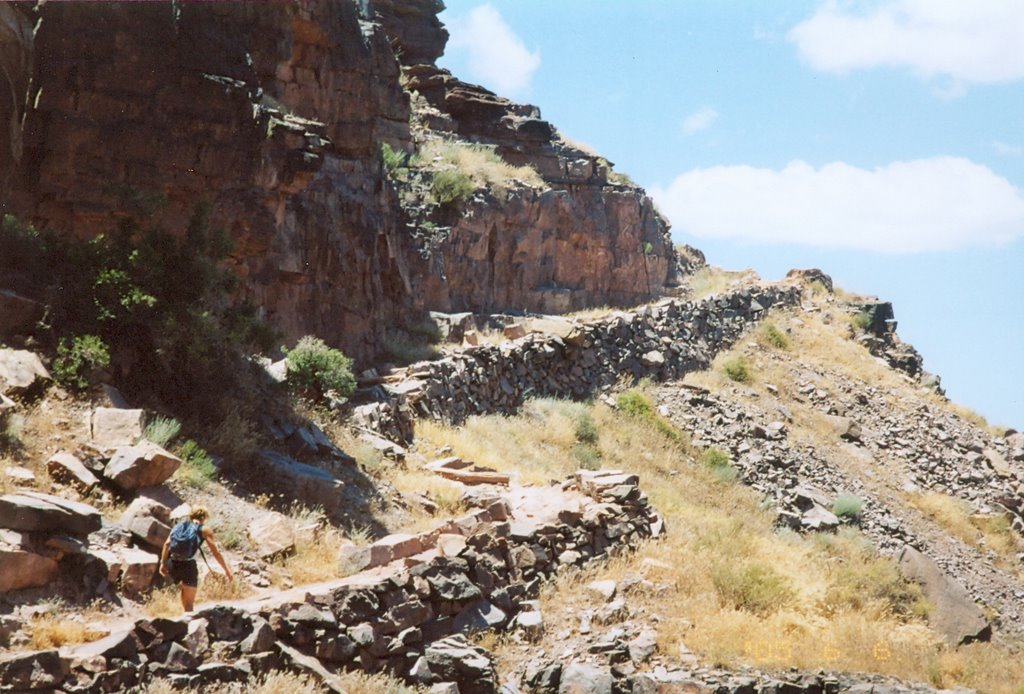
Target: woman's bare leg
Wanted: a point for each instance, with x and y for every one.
(188, 597)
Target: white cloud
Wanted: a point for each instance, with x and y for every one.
(969, 41)
(935, 204)
(699, 120)
(496, 56)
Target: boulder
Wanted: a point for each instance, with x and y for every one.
(514, 331)
(143, 465)
(28, 671)
(148, 521)
(393, 547)
(20, 475)
(21, 373)
(819, 518)
(479, 616)
(272, 535)
(844, 427)
(311, 486)
(33, 511)
(581, 678)
(604, 590)
(18, 314)
(111, 427)
(138, 568)
(454, 659)
(67, 469)
(21, 567)
(954, 614)
(653, 359)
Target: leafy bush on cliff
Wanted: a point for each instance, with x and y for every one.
(737, 369)
(451, 187)
(314, 369)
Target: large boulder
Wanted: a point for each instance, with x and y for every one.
(954, 614)
(143, 465)
(32, 671)
(272, 535)
(311, 486)
(33, 511)
(21, 567)
(583, 678)
(111, 427)
(21, 372)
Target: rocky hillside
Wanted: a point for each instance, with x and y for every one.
(277, 114)
(704, 483)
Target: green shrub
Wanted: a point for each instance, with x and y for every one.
(586, 428)
(197, 468)
(862, 321)
(634, 403)
(79, 360)
(848, 506)
(720, 464)
(737, 369)
(395, 161)
(314, 368)
(162, 430)
(774, 337)
(451, 187)
(751, 587)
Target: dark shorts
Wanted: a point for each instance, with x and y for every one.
(185, 572)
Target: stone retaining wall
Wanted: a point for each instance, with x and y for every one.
(663, 341)
(472, 574)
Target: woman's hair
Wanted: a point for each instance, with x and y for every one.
(199, 513)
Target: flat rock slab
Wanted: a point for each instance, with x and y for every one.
(42, 512)
(20, 568)
(272, 535)
(305, 483)
(67, 469)
(21, 372)
(112, 427)
(954, 615)
(144, 465)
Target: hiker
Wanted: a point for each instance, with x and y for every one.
(178, 559)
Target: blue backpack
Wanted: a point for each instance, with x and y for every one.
(186, 537)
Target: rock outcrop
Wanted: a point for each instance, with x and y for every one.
(274, 113)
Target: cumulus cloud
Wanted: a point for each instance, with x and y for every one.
(934, 204)
(973, 42)
(699, 120)
(497, 58)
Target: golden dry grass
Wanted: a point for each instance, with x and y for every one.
(481, 163)
(785, 600)
(281, 682)
(710, 280)
(957, 518)
(53, 630)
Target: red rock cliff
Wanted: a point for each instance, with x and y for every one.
(274, 113)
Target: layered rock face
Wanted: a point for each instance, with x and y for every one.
(273, 112)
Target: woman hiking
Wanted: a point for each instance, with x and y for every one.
(178, 559)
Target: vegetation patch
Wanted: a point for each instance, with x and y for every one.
(197, 469)
(737, 369)
(314, 369)
(162, 430)
(771, 336)
(79, 361)
(754, 587)
(848, 507)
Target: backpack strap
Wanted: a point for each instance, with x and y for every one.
(202, 539)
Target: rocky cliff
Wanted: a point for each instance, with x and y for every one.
(275, 113)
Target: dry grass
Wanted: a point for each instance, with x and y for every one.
(710, 280)
(746, 593)
(53, 630)
(482, 164)
(975, 529)
(315, 559)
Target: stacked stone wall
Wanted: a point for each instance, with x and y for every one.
(663, 341)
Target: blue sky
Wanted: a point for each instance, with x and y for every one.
(881, 141)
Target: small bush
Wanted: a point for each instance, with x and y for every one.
(162, 430)
(864, 580)
(314, 368)
(197, 468)
(753, 587)
(79, 360)
(586, 428)
(774, 337)
(719, 463)
(862, 321)
(634, 403)
(451, 187)
(395, 161)
(737, 369)
(848, 506)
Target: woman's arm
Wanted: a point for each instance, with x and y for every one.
(163, 556)
(208, 536)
